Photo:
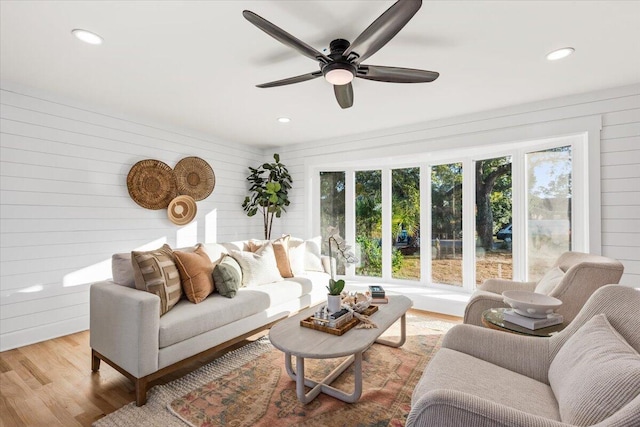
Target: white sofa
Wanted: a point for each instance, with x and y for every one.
(127, 332)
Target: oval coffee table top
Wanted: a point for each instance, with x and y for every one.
(288, 336)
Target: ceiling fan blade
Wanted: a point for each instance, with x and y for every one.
(395, 74)
(291, 80)
(283, 37)
(383, 29)
(344, 95)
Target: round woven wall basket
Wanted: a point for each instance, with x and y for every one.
(182, 210)
(194, 178)
(152, 184)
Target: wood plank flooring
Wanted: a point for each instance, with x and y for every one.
(51, 383)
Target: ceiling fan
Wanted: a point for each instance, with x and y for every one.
(344, 62)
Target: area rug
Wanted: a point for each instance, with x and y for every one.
(250, 387)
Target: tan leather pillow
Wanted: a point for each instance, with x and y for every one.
(195, 274)
(281, 250)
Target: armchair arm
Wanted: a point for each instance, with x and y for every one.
(528, 356)
(489, 295)
(451, 408)
(124, 326)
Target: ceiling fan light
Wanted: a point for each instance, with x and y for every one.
(560, 53)
(87, 36)
(339, 76)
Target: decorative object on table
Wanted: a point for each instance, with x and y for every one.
(383, 300)
(194, 177)
(552, 319)
(270, 185)
(376, 291)
(151, 184)
(336, 286)
(320, 321)
(356, 301)
(182, 210)
(531, 304)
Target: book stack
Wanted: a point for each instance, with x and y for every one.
(530, 322)
(378, 295)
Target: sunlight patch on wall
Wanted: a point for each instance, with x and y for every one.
(211, 227)
(187, 235)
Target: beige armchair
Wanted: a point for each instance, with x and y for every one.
(586, 375)
(572, 279)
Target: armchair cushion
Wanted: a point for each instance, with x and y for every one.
(594, 374)
(453, 370)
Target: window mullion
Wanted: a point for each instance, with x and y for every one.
(468, 225)
(425, 225)
(350, 215)
(386, 223)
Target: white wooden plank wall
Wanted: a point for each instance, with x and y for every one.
(620, 158)
(65, 208)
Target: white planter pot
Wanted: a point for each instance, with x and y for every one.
(333, 303)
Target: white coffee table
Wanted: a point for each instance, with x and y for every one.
(295, 340)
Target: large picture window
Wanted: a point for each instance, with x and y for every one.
(507, 213)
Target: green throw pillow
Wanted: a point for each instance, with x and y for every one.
(227, 277)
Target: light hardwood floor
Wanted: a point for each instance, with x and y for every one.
(51, 383)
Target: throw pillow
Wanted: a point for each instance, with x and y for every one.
(195, 274)
(254, 245)
(549, 281)
(595, 373)
(156, 272)
(312, 256)
(281, 251)
(258, 268)
(297, 249)
(227, 277)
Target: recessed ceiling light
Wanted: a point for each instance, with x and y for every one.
(560, 53)
(284, 119)
(87, 36)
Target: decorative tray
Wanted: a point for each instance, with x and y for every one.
(309, 322)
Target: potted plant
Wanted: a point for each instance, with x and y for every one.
(270, 185)
(335, 288)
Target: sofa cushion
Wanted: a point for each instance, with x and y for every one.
(595, 373)
(227, 277)
(195, 274)
(453, 370)
(258, 268)
(156, 272)
(280, 249)
(187, 320)
(216, 251)
(549, 281)
(122, 270)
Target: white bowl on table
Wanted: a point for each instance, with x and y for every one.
(531, 304)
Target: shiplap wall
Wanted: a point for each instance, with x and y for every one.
(65, 208)
(618, 108)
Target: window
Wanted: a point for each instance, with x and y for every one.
(405, 223)
(369, 223)
(494, 238)
(457, 218)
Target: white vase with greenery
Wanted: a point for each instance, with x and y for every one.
(335, 288)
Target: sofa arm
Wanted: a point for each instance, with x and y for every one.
(525, 355)
(124, 326)
(478, 303)
(451, 408)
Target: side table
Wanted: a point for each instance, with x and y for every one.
(494, 319)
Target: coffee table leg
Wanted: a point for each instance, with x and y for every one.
(323, 386)
(403, 334)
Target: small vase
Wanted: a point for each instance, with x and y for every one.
(333, 303)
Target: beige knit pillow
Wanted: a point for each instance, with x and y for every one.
(258, 268)
(595, 374)
(156, 272)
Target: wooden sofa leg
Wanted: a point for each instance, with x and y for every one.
(95, 361)
(141, 391)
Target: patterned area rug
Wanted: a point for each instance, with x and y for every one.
(250, 387)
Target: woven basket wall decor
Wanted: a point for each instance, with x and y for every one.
(182, 210)
(152, 184)
(194, 177)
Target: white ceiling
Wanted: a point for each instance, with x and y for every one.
(195, 64)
